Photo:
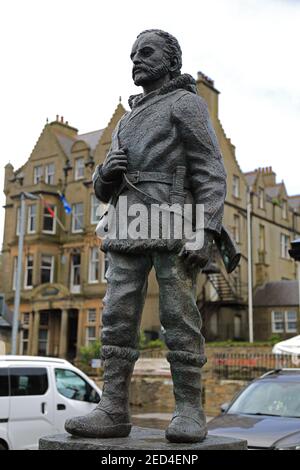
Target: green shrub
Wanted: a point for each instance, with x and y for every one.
(144, 343)
(92, 351)
(156, 344)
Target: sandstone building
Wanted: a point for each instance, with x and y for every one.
(63, 277)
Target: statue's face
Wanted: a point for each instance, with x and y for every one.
(150, 62)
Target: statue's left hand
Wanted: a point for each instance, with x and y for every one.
(198, 258)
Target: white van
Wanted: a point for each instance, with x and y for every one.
(37, 395)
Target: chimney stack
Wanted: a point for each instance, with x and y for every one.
(206, 88)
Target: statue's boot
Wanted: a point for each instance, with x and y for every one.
(188, 423)
(111, 417)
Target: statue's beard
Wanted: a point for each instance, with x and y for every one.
(145, 74)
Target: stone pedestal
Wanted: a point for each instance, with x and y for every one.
(139, 439)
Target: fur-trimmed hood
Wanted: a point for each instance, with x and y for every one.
(184, 81)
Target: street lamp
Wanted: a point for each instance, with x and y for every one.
(90, 162)
(23, 196)
(295, 254)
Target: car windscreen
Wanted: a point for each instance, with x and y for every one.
(269, 397)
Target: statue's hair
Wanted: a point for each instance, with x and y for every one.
(172, 48)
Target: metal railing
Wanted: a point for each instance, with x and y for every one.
(249, 366)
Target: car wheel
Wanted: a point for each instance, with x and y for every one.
(2, 446)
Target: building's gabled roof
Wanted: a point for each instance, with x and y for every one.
(294, 201)
(277, 294)
(251, 177)
(273, 191)
(91, 138)
(66, 143)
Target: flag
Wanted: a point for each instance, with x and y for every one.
(67, 207)
(50, 210)
(52, 213)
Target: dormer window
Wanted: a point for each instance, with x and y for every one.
(236, 186)
(79, 168)
(261, 198)
(37, 174)
(49, 173)
(284, 210)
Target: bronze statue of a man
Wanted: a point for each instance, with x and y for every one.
(166, 150)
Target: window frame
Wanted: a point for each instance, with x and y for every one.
(95, 203)
(24, 341)
(49, 174)
(78, 168)
(284, 210)
(74, 219)
(90, 339)
(48, 215)
(75, 288)
(30, 217)
(285, 321)
(37, 178)
(104, 267)
(26, 271)
(284, 246)
(94, 264)
(237, 228)
(236, 186)
(51, 268)
(93, 311)
(261, 198)
(287, 329)
(46, 341)
(274, 330)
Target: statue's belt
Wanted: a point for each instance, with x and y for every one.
(155, 177)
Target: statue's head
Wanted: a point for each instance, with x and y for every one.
(155, 54)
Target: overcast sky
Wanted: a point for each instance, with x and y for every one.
(71, 57)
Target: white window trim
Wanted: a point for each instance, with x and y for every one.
(51, 268)
(80, 230)
(29, 218)
(283, 252)
(90, 339)
(22, 340)
(236, 187)
(48, 339)
(53, 231)
(287, 329)
(273, 321)
(77, 167)
(47, 174)
(91, 263)
(90, 322)
(97, 205)
(26, 272)
(103, 269)
(237, 228)
(74, 288)
(35, 177)
(261, 198)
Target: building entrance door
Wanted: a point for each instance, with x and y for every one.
(72, 334)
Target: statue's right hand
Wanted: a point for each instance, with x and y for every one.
(115, 165)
